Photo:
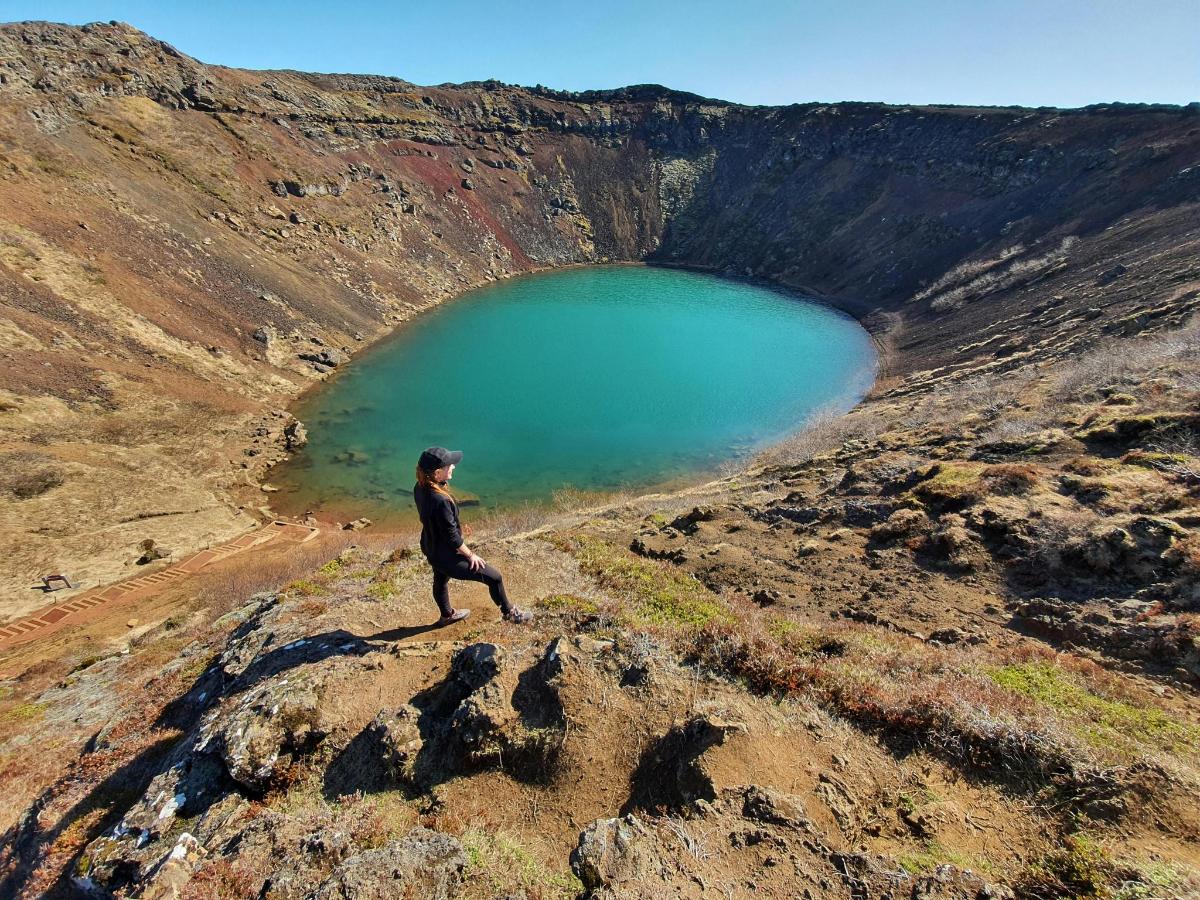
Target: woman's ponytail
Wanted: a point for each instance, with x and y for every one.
(426, 480)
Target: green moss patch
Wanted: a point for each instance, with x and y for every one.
(659, 595)
(568, 603)
(1097, 719)
(498, 866)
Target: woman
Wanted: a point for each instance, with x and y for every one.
(442, 541)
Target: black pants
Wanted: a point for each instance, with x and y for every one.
(444, 570)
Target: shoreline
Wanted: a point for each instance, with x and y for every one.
(856, 310)
(246, 500)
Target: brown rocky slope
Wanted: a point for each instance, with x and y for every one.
(944, 646)
(186, 247)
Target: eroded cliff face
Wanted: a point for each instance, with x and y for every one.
(183, 247)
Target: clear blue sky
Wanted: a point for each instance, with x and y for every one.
(1028, 52)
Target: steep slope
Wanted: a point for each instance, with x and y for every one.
(943, 647)
(185, 247)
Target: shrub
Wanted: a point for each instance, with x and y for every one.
(1081, 868)
(382, 590)
(950, 486)
(568, 603)
(24, 476)
(1098, 719)
(305, 587)
(1011, 478)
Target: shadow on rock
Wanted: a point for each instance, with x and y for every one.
(488, 712)
(670, 774)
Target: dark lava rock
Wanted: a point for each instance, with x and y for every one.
(423, 863)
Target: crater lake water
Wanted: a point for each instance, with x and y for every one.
(596, 379)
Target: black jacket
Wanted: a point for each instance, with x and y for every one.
(441, 534)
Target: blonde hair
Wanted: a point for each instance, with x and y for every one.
(426, 480)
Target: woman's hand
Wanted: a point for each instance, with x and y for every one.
(476, 562)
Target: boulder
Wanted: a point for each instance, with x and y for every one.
(265, 733)
(474, 666)
(611, 851)
(773, 808)
(295, 435)
(152, 551)
(423, 864)
(399, 740)
(328, 357)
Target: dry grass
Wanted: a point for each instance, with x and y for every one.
(261, 571)
(967, 271)
(24, 475)
(824, 431)
(1173, 357)
(655, 593)
(1032, 714)
(972, 280)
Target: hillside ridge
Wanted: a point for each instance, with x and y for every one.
(943, 646)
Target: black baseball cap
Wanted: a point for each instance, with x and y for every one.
(437, 457)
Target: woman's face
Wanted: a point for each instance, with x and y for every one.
(444, 474)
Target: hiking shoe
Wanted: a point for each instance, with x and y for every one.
(518, 616)
(457, 616)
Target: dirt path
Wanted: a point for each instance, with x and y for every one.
(90, 604)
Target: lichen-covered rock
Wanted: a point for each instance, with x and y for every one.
(268, 729)
(174, 872)
(476, 665)
(135, 846)
(611, 851)
(422, 864)
(399, 740)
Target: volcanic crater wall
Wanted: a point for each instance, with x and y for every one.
(183, 247)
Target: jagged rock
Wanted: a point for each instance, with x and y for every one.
(765, 805)
(611, 851)
(766, 597)
(688, 522)
(328, 357)
(399, 740)
(295, 435)
(654, 550)
(477, 724)
(476, 665)
(175, 871)
(265, 732)
(423, 864)
(357, 524)
(672, 773)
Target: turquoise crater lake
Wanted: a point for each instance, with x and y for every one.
(591, 378)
